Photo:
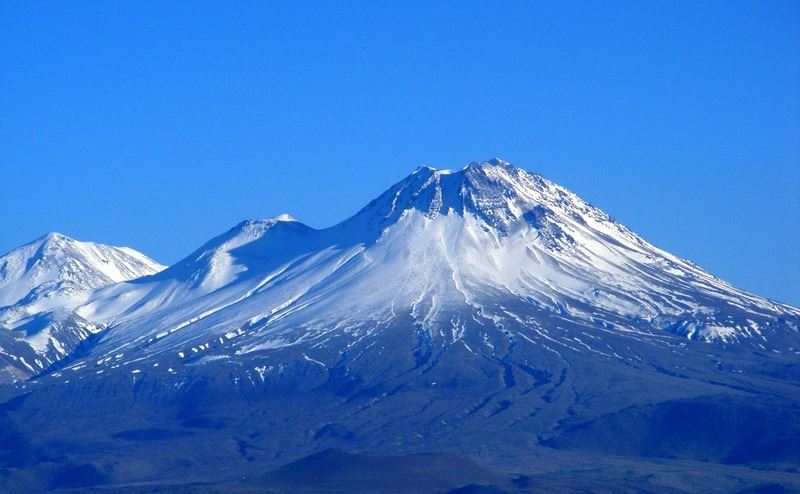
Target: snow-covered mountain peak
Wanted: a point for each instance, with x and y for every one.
(494, 162)
(499, 194)
(60, 262)
(226, 257)
(54, 243)
(241, 237)
(489, 242)
(283, 217)
(265, 223)
(248, 230)
(53, 237)
(40, 283)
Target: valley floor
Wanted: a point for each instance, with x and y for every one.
(334, 471)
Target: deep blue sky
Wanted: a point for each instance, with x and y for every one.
(160, 126)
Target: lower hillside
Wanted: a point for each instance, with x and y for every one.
(505, 419)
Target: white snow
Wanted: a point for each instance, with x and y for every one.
(438, 242)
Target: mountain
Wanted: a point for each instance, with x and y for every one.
(40, 282)
(486, 312)
(474, 242)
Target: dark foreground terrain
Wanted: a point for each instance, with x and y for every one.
(589, 426)
(338, 472)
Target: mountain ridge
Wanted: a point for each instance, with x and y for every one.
(41, 281)
(486, 310)
(436, 241)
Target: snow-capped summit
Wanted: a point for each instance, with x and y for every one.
(493, 226)
(223, 258)
(284, 217)
(502, 197)
(57, 262)
(40, 282)
(225, 266)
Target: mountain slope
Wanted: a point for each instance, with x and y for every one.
(437, 243)
(40, 282)
(485, 311)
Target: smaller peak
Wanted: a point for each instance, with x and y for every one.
(250, 223)
(425, 169)
(250, 227)
(499, 162)
(256, 228)
(429, 171)
(54, 238)
(283, 217)
(494, 162)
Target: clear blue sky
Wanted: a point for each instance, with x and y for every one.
(158, 126)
